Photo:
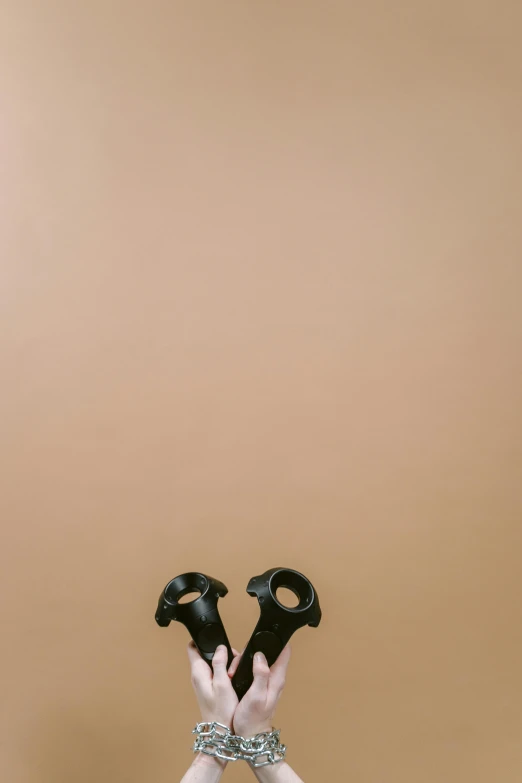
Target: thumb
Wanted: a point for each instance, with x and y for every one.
(219, 664)
(261, 673)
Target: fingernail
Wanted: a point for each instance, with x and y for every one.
(258, 657)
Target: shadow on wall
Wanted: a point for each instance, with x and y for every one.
(104, 747)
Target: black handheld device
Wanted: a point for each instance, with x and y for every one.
(201, 616)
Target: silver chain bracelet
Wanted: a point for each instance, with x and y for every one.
(215, 739)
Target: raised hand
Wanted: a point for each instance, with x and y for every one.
(255, 712)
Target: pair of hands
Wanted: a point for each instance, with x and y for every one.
(218, 701)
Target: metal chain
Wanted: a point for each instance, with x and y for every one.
(215, 739)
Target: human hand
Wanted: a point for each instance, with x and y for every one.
(255, 712)
(216, 697)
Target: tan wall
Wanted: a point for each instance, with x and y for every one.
(260, 299)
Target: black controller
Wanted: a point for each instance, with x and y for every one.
(276, 622)
(200, 616)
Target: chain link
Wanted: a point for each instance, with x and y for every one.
(215, 739)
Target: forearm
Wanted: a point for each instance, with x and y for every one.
(204, 769)
(276, 773)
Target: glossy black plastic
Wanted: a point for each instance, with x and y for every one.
(277, 622)
(201, 616)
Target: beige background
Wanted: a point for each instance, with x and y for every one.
(261, 305)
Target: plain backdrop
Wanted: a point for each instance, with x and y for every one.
(260, 305)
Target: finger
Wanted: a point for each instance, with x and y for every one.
(261, 673)
(235, 663)
(219, 664)
(193, 653)
(278, 671)
(199, 669)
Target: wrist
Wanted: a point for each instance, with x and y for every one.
(276, 773)
(209, 762)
